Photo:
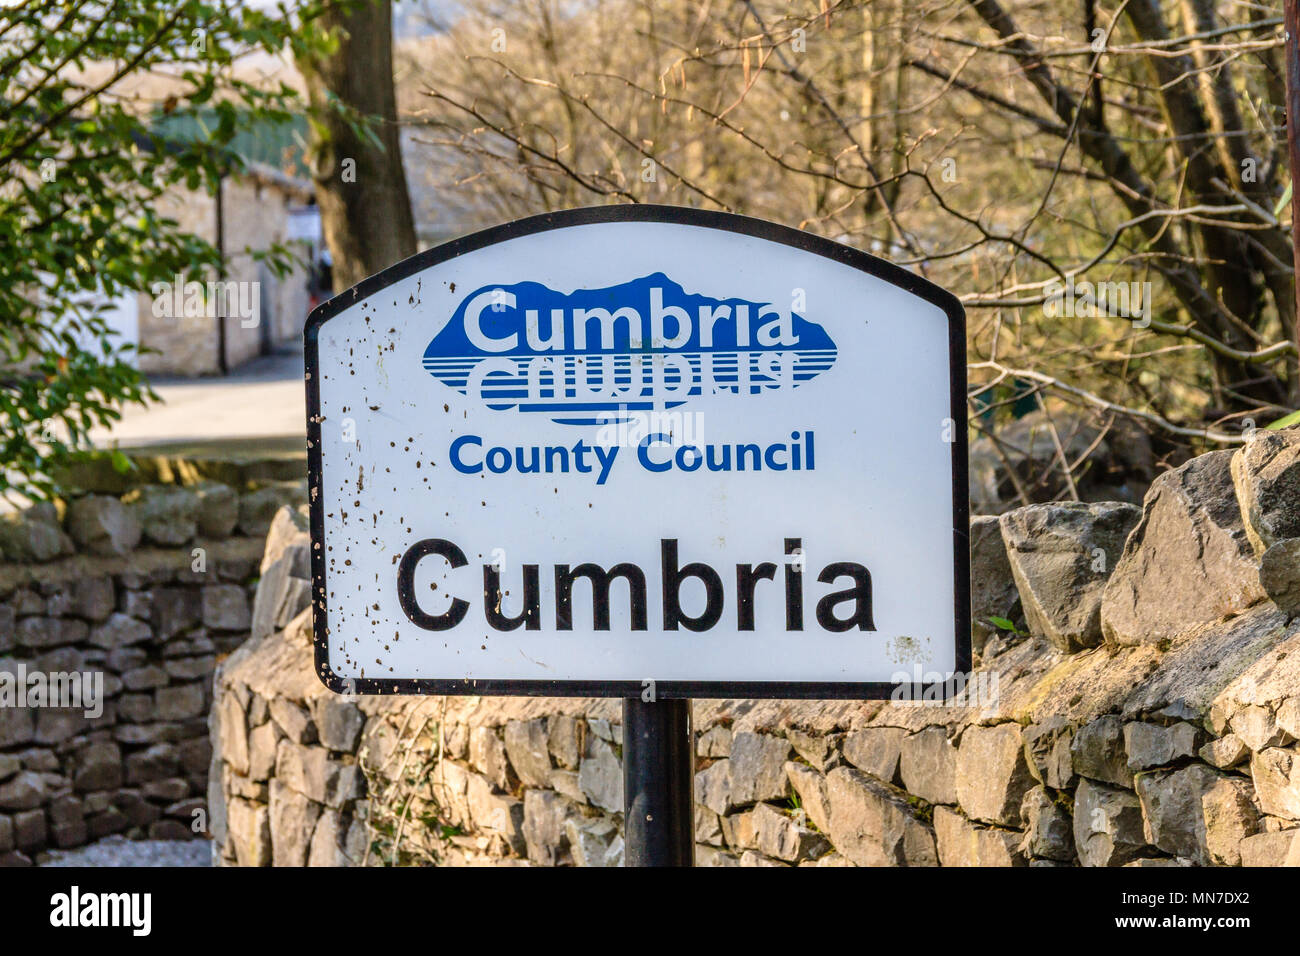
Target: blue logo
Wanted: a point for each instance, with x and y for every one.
(578, 357)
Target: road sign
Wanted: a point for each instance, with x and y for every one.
(638, 450)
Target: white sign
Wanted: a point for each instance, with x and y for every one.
(638, 448)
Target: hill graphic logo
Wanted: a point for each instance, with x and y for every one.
(578, 356)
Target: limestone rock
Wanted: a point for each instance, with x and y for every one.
(600, 775)
(1061, 556)
(97, 766)
(38, 633)
(1224, 752)
(1188, 562)
(329, 841)
(283, 591)
(594, 842)
(820, 750)
(225, 608)
(993, 591)
(153, 763)
(564, 739)
(1197, 813)
(1108, 825)
(218, 509)
(1151, 745)
(312, 772)
(545, 815)
(962, 843)
(257, 509)
(738, 830)
(713, 787)
(487, 755)
(1266, 480)
(94, 598)
(708, 827)
(872, 825)
(751, 858)
(145, 678)
(180, 701)
(294, 720)
(101, 524)
(758, 768)
(1047, 750)
(1287, 716)
(168, 513)
(783, 838)
(1279, 574)
(1276, 775)
(33, 534)
(1257, 727)
(1278, 848)
(1230, 816)
(714, 742)
(338, 722)
(496, 813)
(526, 746)
(289, 529)
(706, 856)
(263, 742)
(992, 774)
(928, 765)
(450, 786)
(1049, 828)
(1097, 750)
(293, 821)
(175, 609)
(875, 750)
(249, 826)
(25, 791)
(565, 783)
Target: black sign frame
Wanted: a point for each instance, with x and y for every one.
(667, 689)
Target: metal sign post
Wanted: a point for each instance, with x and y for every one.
(642, 452)
(658, 776)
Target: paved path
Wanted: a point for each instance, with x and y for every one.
(262, 398)
(119, 851)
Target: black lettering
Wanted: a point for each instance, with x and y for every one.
(794, 587)
(406, 585)
(672, 584)
(747, 576)
(531, 614)
(600, 583)
(860, 593)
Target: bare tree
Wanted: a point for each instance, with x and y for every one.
(1018, 151)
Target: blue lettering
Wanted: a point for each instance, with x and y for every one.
(459, 465)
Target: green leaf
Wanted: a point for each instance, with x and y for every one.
(1285, 421)
(1283, 202)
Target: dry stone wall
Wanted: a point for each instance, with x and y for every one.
(1136, 703)
(143, 592)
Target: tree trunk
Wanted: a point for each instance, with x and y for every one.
(360, 186)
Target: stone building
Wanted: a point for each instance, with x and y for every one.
(258, 208)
